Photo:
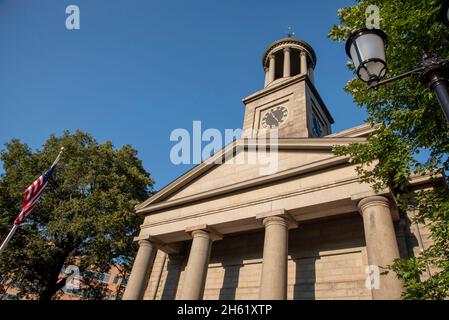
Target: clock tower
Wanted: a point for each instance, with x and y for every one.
(289, 100)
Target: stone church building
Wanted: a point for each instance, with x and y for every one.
(311, 230)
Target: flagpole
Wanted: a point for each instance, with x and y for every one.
(58, 157)
(16, 226)
(10, 234)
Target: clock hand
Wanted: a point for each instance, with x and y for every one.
(275, 116)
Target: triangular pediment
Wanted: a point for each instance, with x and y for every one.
(238, 166)
(249, 166)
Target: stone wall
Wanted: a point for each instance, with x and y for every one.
(327, 260)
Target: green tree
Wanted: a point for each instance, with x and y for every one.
(409, 121)
(87, 211)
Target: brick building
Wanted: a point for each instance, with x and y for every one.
(113, 282)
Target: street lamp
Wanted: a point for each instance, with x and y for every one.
(366, 48)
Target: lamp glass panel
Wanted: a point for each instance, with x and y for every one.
(376, 68)
(354, 56)
(363, 74)
(371, 46)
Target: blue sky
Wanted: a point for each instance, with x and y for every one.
(138, 69)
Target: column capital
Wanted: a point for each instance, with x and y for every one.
(277, 215)
(286, 49)
(204, 230)
(373, 201)
(145, 243)
(275, 220)
(271, 56)
(147, 239)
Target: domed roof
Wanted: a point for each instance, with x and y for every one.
(289, 40)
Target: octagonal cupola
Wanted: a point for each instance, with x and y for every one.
(287, 58)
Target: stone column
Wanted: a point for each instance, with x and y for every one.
(138, 280)
(197, 265)
(381, 245)
(271, 70)
(266, 77)
(303, 62)
(273, 282)
(287, 68)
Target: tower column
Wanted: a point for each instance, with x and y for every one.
(266, 77)
(197, 265)
(303, 61)
(143, 264)
(287, 68)
(271, 69)
(381, 245)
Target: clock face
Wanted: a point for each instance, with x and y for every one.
(274, 117)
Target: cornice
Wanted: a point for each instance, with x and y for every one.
(354, 132)
(256, 201)
(290, 40)
(273, 88)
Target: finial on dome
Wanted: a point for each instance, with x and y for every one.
(290, 32)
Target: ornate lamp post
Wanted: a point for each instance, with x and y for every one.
(366, 48)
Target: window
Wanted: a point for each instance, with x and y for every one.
(116, 279)
(78, 292)
(279, 64)
(9, 296)
(295, 58)
(105, 277)
(318, 125)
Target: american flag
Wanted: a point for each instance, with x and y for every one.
(34, 191)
